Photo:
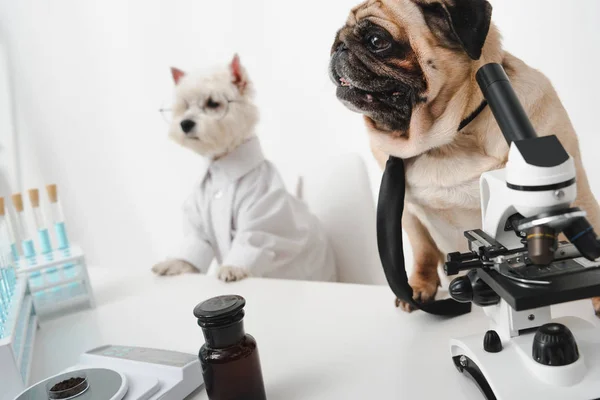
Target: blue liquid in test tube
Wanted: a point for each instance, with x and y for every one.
(29, 250)
(35, 278)
(3, 317)
(5, 297)
(61, 235)
(7, 277)
(44, 240)
(14, 252)
(6, 259)
(46, 248)
(69, 270)
(13, 260)
(9, 274)
(22, 228)
(12, 276)
(8, 288)
(63, 244)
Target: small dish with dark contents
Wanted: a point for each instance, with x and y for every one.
(65, 387)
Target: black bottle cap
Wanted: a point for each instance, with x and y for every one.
(554, 345)
(492, 342)
(220, 310)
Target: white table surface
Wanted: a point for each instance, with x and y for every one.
(316, 340)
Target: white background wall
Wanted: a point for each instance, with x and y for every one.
(91, 75)
(8, 150)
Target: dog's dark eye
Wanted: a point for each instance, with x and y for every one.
(378, 43)
(211, 104)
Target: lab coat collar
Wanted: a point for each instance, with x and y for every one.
(236, 164)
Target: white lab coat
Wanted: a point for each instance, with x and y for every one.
(241, 214)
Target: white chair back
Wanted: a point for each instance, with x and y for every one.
(339, 193)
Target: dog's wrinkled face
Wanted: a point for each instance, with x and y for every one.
(395, 58)
(377, 74)
(213, 113)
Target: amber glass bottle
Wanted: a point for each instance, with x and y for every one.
(229, 357)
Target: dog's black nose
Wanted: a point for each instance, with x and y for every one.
(187, 125)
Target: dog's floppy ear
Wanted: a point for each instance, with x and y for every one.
(177, 74)
(238, 73)
(463, 23)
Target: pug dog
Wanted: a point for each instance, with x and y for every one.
(409, 67)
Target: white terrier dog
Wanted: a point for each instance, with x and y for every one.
(239, 212)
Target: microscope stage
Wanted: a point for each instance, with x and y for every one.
(577, 284)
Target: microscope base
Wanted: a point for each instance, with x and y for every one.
(512, 374)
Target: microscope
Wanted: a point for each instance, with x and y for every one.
(517, 266)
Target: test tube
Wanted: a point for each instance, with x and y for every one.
(6, 237)
(58, 220)
(5, 287)
(3, 312)
(5, 291)
(26, 239)
(42, 229)
(12, 238)
(6, 283)
(40, 224)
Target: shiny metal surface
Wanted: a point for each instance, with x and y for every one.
(104, 384)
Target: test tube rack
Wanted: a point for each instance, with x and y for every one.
(16, 345)
(42, 285)
(58, 281)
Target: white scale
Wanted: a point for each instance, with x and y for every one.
(127, 373)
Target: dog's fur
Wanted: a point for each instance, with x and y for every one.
(254, 226)
(211, 137)
(415, 82)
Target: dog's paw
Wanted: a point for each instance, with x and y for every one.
(596, 304)
(173, 267)
(424, 288)
(232, 274)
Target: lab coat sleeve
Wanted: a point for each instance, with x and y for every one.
(271, 230)
(195, 247)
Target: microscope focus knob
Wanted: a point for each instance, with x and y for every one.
(554, 345)
(461, 289)
(471, 288)
(492, 342)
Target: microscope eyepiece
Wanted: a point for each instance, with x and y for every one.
(489, 74)
(504, 103)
